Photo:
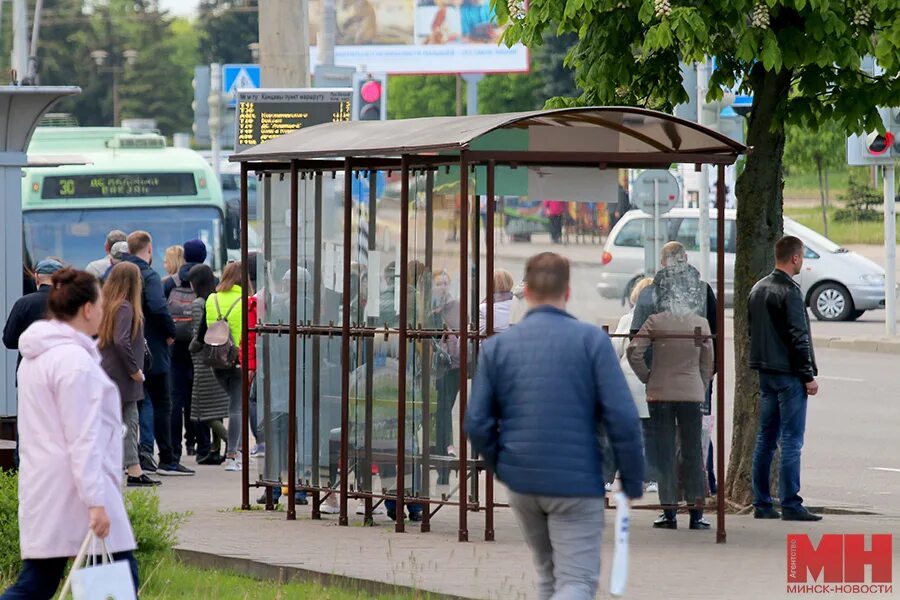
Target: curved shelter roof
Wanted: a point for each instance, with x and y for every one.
(621, 136)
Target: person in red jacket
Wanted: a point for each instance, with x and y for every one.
(252, 317)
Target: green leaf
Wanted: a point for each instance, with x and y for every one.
(746, 47)
(800, 4)
(664, 35)
(771, 53)
(646, 14)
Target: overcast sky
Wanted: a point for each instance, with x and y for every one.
(179, 7)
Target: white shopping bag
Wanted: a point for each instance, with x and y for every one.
(108, 580)
(618, 576)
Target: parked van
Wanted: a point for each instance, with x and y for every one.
(838, 285)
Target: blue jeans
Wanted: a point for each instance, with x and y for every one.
(40, 578)
(782, 419)
(145, 416)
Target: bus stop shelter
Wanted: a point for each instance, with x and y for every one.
(355, 383)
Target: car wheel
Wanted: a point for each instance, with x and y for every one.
(832, 302)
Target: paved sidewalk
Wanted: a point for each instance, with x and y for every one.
(675, 565)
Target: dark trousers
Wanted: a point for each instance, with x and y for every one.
(259, 433)
(556, 225)
(180, 382)
(447, 389)
(40, 578)
(156, 388)
(782, 417)
(683, 420)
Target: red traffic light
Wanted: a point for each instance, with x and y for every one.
(370, 91)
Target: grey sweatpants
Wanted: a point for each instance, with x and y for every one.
(564, 537)
(131, 455)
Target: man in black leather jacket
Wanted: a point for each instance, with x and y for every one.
(781, 351)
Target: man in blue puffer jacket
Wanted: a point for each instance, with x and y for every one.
(541, 390)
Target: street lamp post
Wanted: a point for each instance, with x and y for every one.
(117, 65)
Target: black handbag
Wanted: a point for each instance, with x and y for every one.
(148, 358)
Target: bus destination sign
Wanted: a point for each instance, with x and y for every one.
(264, 115)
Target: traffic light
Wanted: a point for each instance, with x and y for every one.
(369, 97)
(874, 147)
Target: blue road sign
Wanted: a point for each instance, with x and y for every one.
(239, 77)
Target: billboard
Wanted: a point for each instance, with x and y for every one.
(419, 37)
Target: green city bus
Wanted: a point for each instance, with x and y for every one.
(131, 181)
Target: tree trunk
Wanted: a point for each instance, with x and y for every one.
(827, 194)
(822, 195)
(759, 225)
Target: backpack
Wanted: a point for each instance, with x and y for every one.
(179, 305)
(219, 350)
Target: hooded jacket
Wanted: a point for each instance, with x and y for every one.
(70, 434)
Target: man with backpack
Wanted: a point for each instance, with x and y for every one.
(179, 297)
(159, 329)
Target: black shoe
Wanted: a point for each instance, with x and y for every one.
(142, 481)
(799, 515)
(392, 514)
(700, 523)
(766, 513)
(213, 458)
(148, 466)
(415, 517)
(174, 470)
(665, 522)
(191, 450)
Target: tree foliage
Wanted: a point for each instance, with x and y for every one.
(157, 86)
(806, 149)
(800, 59)
(226, 30)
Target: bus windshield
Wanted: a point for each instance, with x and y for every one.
(77, 236)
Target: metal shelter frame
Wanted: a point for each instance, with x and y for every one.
(591, 138)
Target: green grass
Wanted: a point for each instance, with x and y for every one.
(844, 233)
(168, 578)
(164, 577)
(805, 186)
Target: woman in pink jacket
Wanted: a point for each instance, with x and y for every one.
(70, 434)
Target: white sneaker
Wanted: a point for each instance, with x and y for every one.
(329, 509)
(376, 510)
(652, 487)
(233, 464)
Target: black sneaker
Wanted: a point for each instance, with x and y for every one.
(174, 470)
(800, 514)
(700, 523)
(766, 513)
(148, 465)
(142, 481)
(191, 450)
(213, 458)
(665, 522)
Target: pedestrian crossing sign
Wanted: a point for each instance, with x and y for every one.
(239, 77)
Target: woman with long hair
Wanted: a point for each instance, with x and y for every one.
(173, 260)
(122, 347)
(209, 401)
(70, 433)
(225, 304)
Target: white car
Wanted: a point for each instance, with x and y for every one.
(838, 285)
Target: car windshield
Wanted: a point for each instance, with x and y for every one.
(808, 235)
(78, 235)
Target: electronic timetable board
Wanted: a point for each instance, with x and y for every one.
(263, 115)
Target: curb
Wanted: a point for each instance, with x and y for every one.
(871, 345)
(285, 574)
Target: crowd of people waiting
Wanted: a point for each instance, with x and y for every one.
(151, 340)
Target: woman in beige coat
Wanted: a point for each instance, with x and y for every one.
(676, 375)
